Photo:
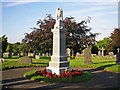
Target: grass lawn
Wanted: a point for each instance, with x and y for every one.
(84, 77)
(98, 63)
(13, 62)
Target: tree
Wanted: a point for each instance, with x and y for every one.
(115, 40)
(15, 48)
(94, 49)
(23, 47)
(4, 43)
(77, 35)
(103, 43)
(9, 47)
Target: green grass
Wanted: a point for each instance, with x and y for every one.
(84, 77)
(14, 63)
(98, 63)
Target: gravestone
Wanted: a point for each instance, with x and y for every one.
(102, 53)
(21, 54)
(31, 55)
(118, 58)
(43, 54)
(68, 52)
(10, 55)
(78, 54)
(26, 60)
(118, 50)
(72, 55)
(1, 57)
(37, 57)
(6, 54)
(87, 56)
(111, 55)
(59, 63)
(25, 54)
(99, 53)
(93, 55)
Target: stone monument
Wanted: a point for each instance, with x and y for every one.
(118, 58)
(118, 50)
(59, 63)
(111, 55)
(99, 53)
(102, 52)
(68, 52)
(1, 57)
(26, 60)
(87, 56)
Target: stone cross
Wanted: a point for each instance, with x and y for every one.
(118, 50)
(102, 51)
(59, 63)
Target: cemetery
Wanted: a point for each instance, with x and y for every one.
(62, 54)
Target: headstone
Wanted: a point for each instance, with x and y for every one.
(78, 54)
(111, 55)
(10, 55)
(43, 54)
(118, 50)
(26, 60)
(87, 56)
(93, 55)
(59, 63)
(32, 55)
(47, 54)
(68, 52)
(2, 60)
(26, 54)
(37, 57)
(102, 52)
(29, 54)
(6, 54)
(72, 55)
(118, 58)
(99, 53)
(21, 54)
(1, 57)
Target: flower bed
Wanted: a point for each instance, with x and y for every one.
(68, 77)
(67, 73)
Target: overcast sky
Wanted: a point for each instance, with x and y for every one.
(18, 17)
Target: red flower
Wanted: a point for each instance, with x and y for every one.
(44, 69)
(50, 76)
(43, 74)
(50, 72)
(63, 75)
(58, 75)
(81, 71)
(47, 74)
(39, 72)
(73, 74)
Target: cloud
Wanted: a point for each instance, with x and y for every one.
(19, 2)
(89, 10)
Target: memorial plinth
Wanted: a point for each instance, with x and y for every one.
(59, 63)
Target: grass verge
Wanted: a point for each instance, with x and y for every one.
(84, 77)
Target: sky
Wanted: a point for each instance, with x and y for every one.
(19, 16)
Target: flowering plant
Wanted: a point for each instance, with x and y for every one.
(67, 73)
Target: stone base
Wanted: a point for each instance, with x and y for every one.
(58, 71)
(87, 62)
(1, 59)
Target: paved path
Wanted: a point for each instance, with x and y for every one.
(13, 78)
